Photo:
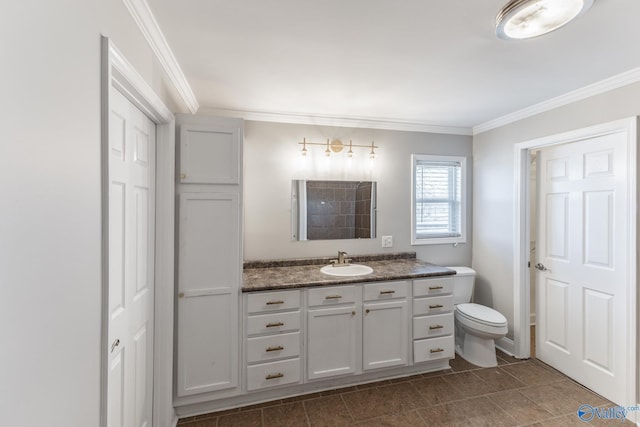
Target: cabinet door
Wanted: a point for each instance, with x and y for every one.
(208, 333)
(209, 242)
(331, 342)
(210, 154)
(209, 266)
(385, 335)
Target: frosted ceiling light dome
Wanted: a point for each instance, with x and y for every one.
(523, 19)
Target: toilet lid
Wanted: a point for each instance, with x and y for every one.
(481, 313)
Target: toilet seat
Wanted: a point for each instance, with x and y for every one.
(481, 314)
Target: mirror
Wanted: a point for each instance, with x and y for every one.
(324, 210)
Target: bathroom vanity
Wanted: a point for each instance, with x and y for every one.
(305, 331)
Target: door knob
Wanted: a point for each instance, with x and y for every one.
(541, 267)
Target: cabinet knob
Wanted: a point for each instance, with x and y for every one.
(181, 295)
(367, 311)
(183, 176)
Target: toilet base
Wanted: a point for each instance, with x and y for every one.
(478, 351)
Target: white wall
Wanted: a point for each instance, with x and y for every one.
(493, 215)
(272, 160)
(50, 260)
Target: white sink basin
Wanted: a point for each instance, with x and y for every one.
(346, 270)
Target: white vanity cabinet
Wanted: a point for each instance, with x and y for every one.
(433, 332)
(209, 261)
(332, 331)
(273, 341)
(385, 325)
(302, 340)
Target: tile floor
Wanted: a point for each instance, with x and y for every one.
(516, 393)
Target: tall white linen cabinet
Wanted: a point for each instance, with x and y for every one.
(209, 258)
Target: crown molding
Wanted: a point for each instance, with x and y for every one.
(352, 122)
(614, 82)
(143, 17)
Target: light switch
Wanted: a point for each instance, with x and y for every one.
(387, 241)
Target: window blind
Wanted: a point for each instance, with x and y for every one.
(438, 199)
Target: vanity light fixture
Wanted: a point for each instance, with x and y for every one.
(336, 146)
(523, 19)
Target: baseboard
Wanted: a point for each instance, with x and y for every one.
(506, 345)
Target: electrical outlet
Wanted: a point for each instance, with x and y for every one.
(387, 241)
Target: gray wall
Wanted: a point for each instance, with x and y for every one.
(493, 175)
(272, 160)
(50, 222)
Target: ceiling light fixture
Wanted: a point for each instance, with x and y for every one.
(523, 19)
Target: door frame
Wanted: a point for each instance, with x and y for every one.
(522, 170)
(119, 74)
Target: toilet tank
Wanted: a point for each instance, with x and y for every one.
(463, 283)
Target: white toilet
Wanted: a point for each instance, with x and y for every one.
(476, 326)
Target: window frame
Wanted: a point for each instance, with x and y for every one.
(415, 158)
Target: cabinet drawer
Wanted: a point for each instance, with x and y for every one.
(332, 295)
(273, 374)
(385, 290)
(274, 322)
(433, 305)
(273, 347)
(432, 326)
(433, 349)
(271, 301)
(432, 287)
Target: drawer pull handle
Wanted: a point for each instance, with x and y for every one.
(278, 348)
(435, 288)
(275, 302)
(436, 306)
(387, 292)
(333, 297)
(274, 376)
(432, 327)
(436, 350)
(274, 324)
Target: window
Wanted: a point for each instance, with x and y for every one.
(438, 213)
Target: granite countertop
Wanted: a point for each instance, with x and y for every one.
(291, 274)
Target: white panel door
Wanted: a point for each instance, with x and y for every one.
(582, 265)
(209, 269)
(131, 159)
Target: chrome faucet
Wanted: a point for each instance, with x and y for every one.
(341, 259)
